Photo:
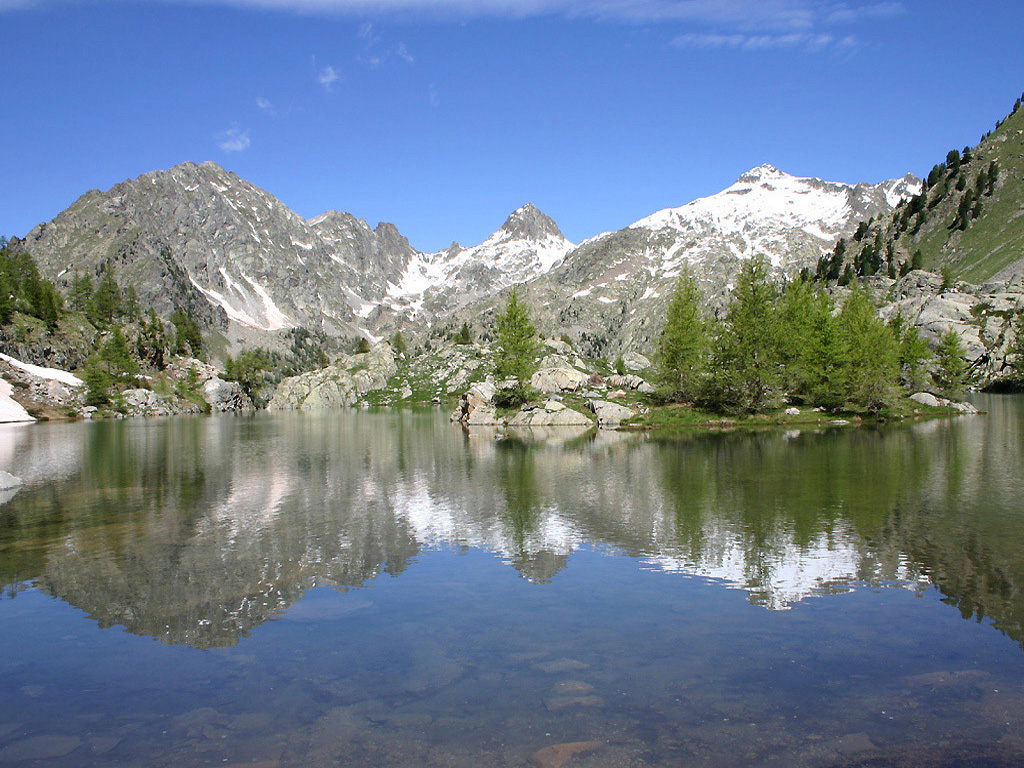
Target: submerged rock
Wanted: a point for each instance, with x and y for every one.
(558, 755)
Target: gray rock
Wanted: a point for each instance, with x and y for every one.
(566, 417)
(9, 481)
(630, 381)
(609, 415)
(558, 380)
(225, 396)
(928, 399)
(337, 386)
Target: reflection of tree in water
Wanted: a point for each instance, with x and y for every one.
(196, 531)
(516, 474)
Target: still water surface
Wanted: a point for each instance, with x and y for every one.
(386, 589)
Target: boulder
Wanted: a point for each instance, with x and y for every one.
(928, 399)
(609, 415)
(634, 361)
(629, 381)
(225, 396)
(559, 346)
(541, 417)
(483, 416)
(558, 380)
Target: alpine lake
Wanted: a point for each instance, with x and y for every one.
(360, 588)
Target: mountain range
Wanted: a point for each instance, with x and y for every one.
(238, 260)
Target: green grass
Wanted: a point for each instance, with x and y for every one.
(669, 417)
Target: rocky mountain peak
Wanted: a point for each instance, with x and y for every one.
(763, 172)
(530, 223)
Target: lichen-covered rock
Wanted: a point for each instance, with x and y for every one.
(609, 415)
(558, 380)
(339, 385)
(145, 402)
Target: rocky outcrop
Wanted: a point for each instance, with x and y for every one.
(225, 396)
(146, 402)
(558, 380)
(476, 407)
(982, 316)
(9, 481)
(339, 385)
(932, 401)
(551, 414)
(609, 415)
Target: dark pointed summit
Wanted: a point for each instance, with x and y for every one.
(529, 223)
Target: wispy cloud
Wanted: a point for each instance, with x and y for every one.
(376, 51)
(737, 14)
(327, 77)
(744, 42)
(264, 104)
(233, 140)
(433, 97)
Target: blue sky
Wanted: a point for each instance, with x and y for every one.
(443, 116)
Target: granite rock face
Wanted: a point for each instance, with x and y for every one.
(339, 385)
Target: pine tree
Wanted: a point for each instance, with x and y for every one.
(684, 343)
(517, 342)
(116, 355)
(153, 341)
(951, 372)
(362, 346)
(6, 298)
(98, 382)
(872, 358)
(188, 341)
(465, 335)
(913, 352)
(80, 296)
(811, 350)
(746, 369)
(106, 299)
(398, 343)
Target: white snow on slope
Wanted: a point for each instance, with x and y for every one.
(512, 260)
(250, 305)
(10, 410)
(51, 374)
(755, 214)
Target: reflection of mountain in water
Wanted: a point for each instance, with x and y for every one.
(196, 531)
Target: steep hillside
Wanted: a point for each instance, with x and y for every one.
(969, 219)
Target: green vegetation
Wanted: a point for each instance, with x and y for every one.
(517, 349)
(684, 344)
(964, 219)
(23, 290)
(777, 344)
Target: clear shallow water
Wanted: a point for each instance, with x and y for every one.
(388, 590)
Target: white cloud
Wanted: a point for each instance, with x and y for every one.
(403, 53)
(233, 140)
(327, 77)
(433, 97)
(745, 15)
(264, 104)
(744, 42)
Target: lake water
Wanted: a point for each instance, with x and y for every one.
(386, 589)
